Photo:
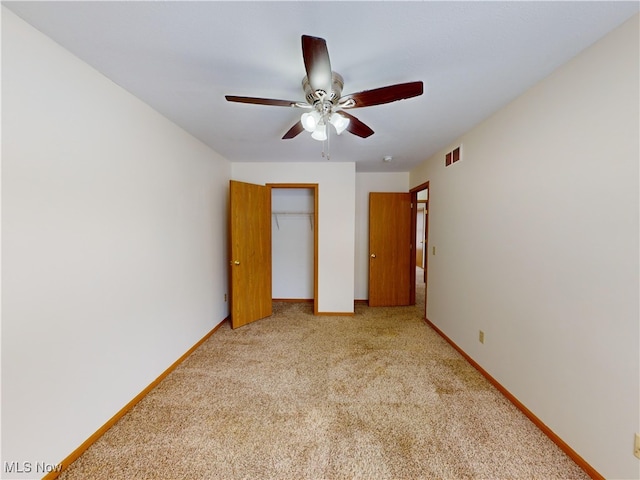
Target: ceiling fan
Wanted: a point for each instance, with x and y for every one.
(324, 101)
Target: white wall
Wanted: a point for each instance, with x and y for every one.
(336, 217)
(366, 183)
(536, 230)
(292, 237)
(113, 248)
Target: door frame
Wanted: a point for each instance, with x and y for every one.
(314, 188)
(414, 201)
(420, 246)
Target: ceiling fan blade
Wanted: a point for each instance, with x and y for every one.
(356, 126)
(378, 96)
(316, 62)
(262, 101)
(293, 131)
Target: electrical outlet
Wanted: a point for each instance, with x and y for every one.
(225, 297)
(636, 445)
(434, 250)
(481, 336)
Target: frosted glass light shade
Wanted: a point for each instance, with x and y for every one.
(339, 122)
(310, 120)
(320, 133)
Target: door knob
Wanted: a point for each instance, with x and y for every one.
(373, 255)
(236, 262)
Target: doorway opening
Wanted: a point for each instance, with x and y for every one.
(294, 249)
(420, 242)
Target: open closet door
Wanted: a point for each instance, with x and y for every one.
(250, 252)
(390, 251)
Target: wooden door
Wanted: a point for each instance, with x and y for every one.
(250, 252)
(390, 255)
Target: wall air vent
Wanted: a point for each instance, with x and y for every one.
(452, 157)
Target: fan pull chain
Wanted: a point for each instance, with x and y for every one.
(328, 156)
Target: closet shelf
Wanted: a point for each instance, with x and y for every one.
(294, 214)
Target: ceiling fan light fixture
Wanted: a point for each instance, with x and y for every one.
(339, 122)
(320, 133)
(310, 120)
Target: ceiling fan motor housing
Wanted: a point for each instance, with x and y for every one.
(337, 83)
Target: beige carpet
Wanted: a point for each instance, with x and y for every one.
(375, 396)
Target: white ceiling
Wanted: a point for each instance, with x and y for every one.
(183, 57)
